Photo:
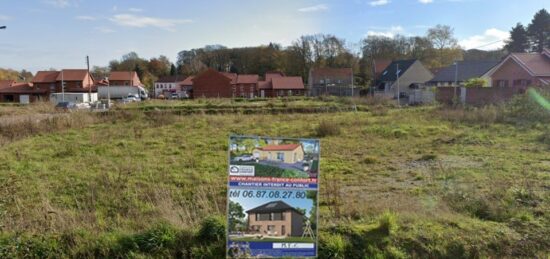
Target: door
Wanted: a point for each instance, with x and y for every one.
(283, 230)
(262, 93)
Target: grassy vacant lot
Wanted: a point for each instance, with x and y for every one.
(397, 183)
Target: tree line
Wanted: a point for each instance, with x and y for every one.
(438, 47)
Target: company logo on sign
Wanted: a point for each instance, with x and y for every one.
(241, 170)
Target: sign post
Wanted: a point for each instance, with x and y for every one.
(272, 197)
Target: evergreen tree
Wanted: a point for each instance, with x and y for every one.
(518, 42)
(173, 70)
(539, 30)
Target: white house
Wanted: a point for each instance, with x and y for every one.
(168, 85)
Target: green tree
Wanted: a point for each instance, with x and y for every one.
(539, 30)
(442, 38)
(173, 70)
(236, 215)
(518, 42)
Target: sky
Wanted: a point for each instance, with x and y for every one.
(44, 34)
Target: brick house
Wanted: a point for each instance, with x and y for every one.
(213, 84)
(187, 86)
(522, 70)
(247, 86)
(22, 93)
(124, 78)
(330, 81)
(276, 218)
(277, 84)
(75, 80)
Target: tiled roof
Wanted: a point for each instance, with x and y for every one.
(122, 75)
(45, 77)
(188, 81)
(538, 64)
(380, 65)
(287, 82)
(273, 74)
(464, 71)
(231, 76)
(274, 206)
(264, 85)
(285, 147)
(247, 79)
(24, 88)
(6, 83)
(390, 73)
(331, 72)
(72, 75)
(171, 79)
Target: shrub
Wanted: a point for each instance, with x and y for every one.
(212, 229)
(387, 223)
(331, 246)
(326, 129)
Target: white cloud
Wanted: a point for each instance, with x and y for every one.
(59, 3)
(379, 2)
(425, 1)
(130, 20)
(135, 10)
(491, 39)
(4, 17)
(315, 8)
(85, 18)
(389, 32)
(104, 30)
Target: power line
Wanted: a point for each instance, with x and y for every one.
(488, 44)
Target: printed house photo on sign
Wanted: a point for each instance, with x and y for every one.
(269, 220)
(291, 158)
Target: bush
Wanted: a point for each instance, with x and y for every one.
(212, 229)
(387, 223)
(326, 129)
(332, 246)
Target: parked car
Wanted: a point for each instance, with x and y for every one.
(175, 96)
(244, 158)
(65, 106)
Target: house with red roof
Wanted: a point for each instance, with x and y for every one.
(168, 85)
(286, 153)
(124, 78)
(213, 84)
(522, 70)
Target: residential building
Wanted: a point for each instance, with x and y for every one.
(124, 78)
(247, 86)
(331, 81)
(168, 85)
(74, 80)
(277, 84)
(286, 153)
(187, 87)
(462, 71)
(405, 75)
(276, 218)
(213, 84)
(22, 93)
(522, 70)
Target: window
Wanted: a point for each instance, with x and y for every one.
(281, 156)
(322, 81)
(502, 83)
(270, 227)
(289, 92)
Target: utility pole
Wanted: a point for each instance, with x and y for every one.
(456, 80)
(398, 93)
(62, 87)
(90, 86)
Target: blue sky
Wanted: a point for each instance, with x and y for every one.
(43, 34)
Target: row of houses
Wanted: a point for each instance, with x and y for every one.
(214, 84)
(46, 84)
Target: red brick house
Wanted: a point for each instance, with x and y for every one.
(213, 84)
(75, 80)
(22, 92)
(522, 70)
(276, 84)
(247, 86)
(124, 78)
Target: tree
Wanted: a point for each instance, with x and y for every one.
(476, 82)
(444, 41)
(173, 70)
(236, 215)
(100, 72)
(518, 41)
(539, 30)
